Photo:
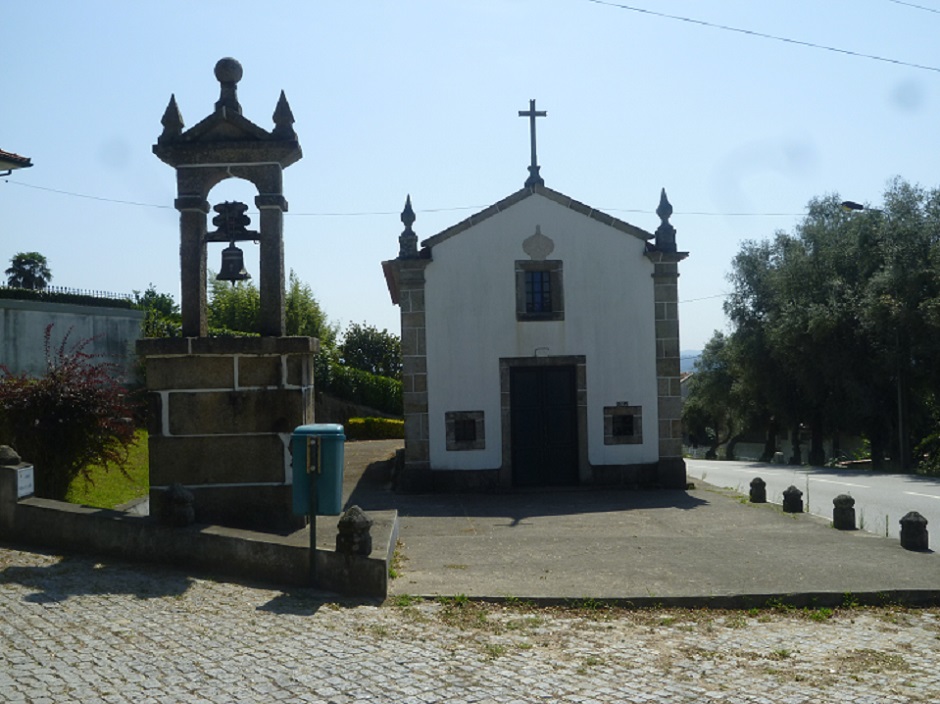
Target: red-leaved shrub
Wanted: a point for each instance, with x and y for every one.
(73, 416)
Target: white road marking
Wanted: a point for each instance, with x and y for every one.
(833, 481)
(929, 496)
(770, 472)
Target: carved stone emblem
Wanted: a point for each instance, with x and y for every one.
(538, 246)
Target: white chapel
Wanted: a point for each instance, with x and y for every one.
(540, 343)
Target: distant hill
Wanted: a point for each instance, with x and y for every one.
(687, 360)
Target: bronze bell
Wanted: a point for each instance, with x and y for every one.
(233, 265)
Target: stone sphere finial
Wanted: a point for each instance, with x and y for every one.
(8, 456)
(229, 73)
(228, 70)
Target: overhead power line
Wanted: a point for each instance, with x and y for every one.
(918, 7)
(85, 195)
(762, 35)
(705, 298)
(103, 199)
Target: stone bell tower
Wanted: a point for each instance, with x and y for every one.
(222, 409)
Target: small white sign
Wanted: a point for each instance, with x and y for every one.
(24, 482)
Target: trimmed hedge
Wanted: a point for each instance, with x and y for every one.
(375, 429)
(356, 386)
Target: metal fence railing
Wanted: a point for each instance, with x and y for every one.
(66, 290)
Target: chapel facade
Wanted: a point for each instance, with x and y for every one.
(540, 343)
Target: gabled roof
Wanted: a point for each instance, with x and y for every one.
(560, 198)
(9, 160)
(225, 125)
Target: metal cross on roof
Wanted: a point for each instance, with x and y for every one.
(534, 178)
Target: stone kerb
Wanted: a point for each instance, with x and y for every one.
(270, 558)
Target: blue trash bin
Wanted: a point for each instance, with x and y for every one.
(326, 443)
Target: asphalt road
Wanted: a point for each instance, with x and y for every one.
(881, 499)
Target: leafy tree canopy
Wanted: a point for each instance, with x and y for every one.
(237, 309)
(839, 323)
(162, 315)
(162, 303)
(372, 350)
(28, 270)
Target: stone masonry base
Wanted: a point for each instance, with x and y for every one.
(221, 414)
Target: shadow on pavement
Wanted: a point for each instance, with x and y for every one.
(371, 490)
(78, 576)
(307, 602)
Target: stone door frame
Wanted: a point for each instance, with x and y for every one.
(579, 362)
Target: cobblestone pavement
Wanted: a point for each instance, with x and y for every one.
(73, 630)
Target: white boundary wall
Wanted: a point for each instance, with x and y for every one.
(23, 325)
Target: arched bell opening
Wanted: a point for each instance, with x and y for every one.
(233, 239)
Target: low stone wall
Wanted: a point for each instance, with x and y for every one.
(277, 559)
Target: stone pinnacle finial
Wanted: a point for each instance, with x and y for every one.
(228, 72)
(664, 210)
(408, 214)
(408, 240)
(665, 233)
(284, 119)
(172, 121)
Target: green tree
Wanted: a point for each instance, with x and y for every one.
(29, 270)
(304, 316)
(842, 320)
(237, 309)
(233, 308)
(711, 412)
(162, 303)
(162, 315)
(372, 350)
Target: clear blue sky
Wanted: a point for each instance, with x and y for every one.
(421, 97)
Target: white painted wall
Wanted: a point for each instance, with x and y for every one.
(23, 325)
(471, 324)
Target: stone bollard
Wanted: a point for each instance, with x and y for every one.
(354, 536)
(914, 531)
(843, 512)
(792, 500)
(178, 508)
(758, 491)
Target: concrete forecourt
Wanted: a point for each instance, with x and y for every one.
(76, 629)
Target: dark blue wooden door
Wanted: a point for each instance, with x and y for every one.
(543, 425)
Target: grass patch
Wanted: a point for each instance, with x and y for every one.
(494, 650)
(398, 561)
(108, 486)
(405, 600)
(820, 614)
